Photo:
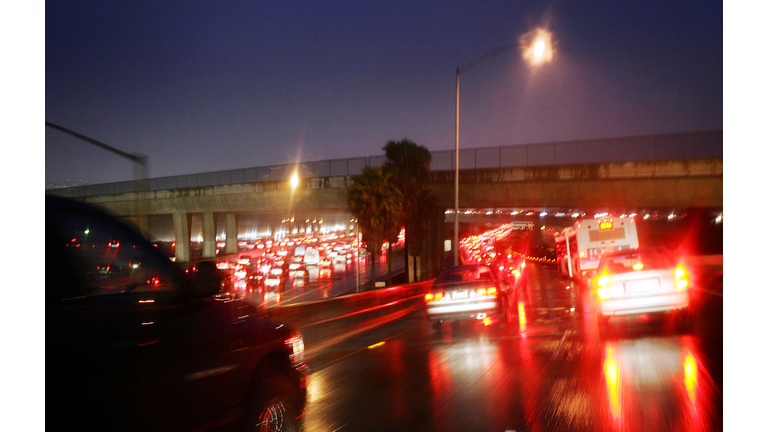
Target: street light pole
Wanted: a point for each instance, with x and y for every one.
(537, 48)
(465, 68)
(456, 181)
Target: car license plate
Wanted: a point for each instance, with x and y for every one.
(458, 295)
(643, 286)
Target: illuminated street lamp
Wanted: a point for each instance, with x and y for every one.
(537, 49)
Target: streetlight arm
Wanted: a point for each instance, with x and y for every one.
(134, 157)
(486, 57)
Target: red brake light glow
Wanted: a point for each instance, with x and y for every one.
(681, 278)
(433, 296)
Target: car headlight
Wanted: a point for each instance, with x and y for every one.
(295, 343)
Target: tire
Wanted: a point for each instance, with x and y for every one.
(603, 326)
(272, 408)
(684, 321)
(505, 316)
(436, 325)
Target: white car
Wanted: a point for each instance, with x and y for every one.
(638, 281)
(464, 292)
(272, 281)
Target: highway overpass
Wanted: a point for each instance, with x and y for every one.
(670, 170)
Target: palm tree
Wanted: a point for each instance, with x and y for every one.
(377, 203)
(410, 163)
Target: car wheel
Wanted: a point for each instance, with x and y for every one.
(505, 315)
(603, 326)
(272, 409)
(684, 320)
(436, 325)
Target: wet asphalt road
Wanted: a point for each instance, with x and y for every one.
(551, 371)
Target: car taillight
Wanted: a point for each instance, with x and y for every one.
(486, 291)
(296, 345)
(681, 278)
(433, 296)
(602, 287)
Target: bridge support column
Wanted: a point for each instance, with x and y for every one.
(209, 235)
(230, 228)
(181, 223)
(433, 252)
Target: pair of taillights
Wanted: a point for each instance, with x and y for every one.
(479, 292)
(681, 281)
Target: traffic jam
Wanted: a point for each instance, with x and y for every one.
(267, 268)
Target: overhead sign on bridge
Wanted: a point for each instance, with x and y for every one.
(521, 225)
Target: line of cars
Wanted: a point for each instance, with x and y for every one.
(484, 288)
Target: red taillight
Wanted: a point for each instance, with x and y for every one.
(433, 296)
(486, 291)
(681, 278)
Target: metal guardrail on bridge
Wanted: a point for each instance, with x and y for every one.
(707, 144)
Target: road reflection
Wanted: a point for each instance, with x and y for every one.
(658, 383)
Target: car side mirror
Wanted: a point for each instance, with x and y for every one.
(205, 279)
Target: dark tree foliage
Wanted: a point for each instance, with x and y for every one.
(377, 203)
(410, 164)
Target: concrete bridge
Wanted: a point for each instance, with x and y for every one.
(672, 170)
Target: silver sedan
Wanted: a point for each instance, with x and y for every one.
(638, 281)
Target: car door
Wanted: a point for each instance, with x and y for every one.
(132, 349)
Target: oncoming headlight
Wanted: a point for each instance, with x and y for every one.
(296, 345)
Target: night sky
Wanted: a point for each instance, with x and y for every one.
(206, 86)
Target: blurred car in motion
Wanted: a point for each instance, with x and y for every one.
(273, 283)
(641, 280)
(467, 292)
(152, 347)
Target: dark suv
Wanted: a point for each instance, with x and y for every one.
(147, 346)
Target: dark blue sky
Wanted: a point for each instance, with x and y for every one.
(206, 86)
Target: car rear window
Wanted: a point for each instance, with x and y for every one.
(465, 274)
(644, 259)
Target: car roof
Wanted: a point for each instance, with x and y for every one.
(56, 202)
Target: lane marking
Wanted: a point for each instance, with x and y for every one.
(315, 369)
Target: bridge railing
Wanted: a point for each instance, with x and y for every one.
(687, 145)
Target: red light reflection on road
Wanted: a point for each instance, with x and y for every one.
(441, 386)
(699, 389)
(521, 318)
(660, 383)
(612, 372)
(690, 371)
